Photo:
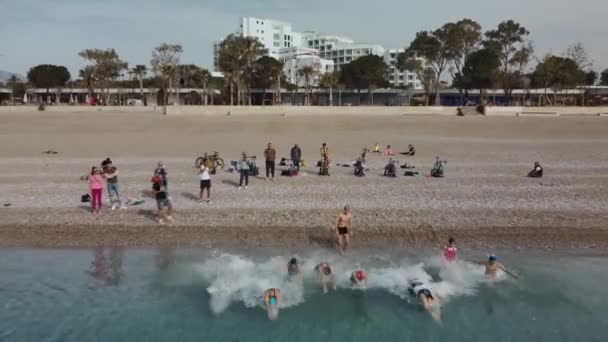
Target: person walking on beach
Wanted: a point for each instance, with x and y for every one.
(243, 167)
(110, 173)
(326, 275)
(95, 180)
(162, 200)
(270, 154)
(296, 157)
(344, 229)
(205, 182)
(492, 266)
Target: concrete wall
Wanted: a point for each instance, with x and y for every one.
(309, 110)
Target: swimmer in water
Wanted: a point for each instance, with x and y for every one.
(358, 278)
(293, 268)
(449, 251)
(425, 296)
(326, 275)
(492, 266)
(272, 300)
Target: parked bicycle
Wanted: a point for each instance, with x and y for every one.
(214, 162)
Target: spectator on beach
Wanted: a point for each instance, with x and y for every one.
(390, 170)
(162, 200)
(110, 173)
(537, 171)
(205, 182)
(243, 167)
(324, 170)
(161, 170)
(270, 154)
(388, 151)
(296, 157)
(95, 187)
(344, 229)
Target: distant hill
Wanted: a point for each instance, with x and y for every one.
(5, 75)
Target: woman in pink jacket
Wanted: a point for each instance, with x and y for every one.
(95, 187)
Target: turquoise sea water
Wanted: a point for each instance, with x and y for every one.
(201, 295)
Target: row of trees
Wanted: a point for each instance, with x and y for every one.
(498, 58)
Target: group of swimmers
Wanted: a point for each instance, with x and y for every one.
(417, 289)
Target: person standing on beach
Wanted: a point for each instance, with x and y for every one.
(95, 180)
(270, 154)
(344, 229)
(324, 171)
(161, 170)
(162, 200)
(110, 173)
(326, 274)
(205, 182)
(243, 167)
(296, 157)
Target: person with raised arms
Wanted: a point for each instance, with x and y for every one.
(326, 274)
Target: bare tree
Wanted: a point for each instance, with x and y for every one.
(165, 59)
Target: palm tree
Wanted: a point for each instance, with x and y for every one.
(205, 76)
(308, 73)
(329, 81)
(140, 72)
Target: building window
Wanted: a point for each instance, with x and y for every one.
(316, 42)
(392, 55)
(276, 36)
(310, 43)
(276, 44)
(257, 22)
(349, 52)
(401, 78)
(410, 77)
(348, 59)
(341, 52)
(357, 52)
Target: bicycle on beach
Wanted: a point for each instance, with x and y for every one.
(213, 161)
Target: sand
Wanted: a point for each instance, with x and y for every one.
(485, 200)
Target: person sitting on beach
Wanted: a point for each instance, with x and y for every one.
(390, 170)
(388, 151)
(438, 168)
(449, 251)
(358, 277)
(344, 229)
(425, 296)
(492, 266)
(411, 150)
(326, 275)
(537, 171)
(162, 200)
(376, 148)
(359, 168)
(293, 268)
(272, 300)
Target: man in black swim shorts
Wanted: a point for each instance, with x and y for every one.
(344, 229)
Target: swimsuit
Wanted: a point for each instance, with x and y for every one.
(342, 230)
(450, 253)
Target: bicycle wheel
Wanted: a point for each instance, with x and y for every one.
(198, 162)
(219, 163)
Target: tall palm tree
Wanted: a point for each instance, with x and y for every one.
(329, 81)
(140, 72)
(307, 73)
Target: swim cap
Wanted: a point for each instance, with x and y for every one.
(293, 261)
(492, 257)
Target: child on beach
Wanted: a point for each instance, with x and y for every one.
(449, 251)
(95, 180)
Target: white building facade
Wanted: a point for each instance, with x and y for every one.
(324, 52)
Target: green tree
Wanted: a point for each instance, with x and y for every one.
(557, 73)
(372, 72)
(17, 88)
(140, 71)
(435, 48)
(426, 74)
(463, 38)
(308, 75)
(48, 76)
(105, 66)
(329, 81)
(590, 77)
(604, 78)
(267, 74)
(237, 55)
(509, 41)
(165, 59)
(480, 71)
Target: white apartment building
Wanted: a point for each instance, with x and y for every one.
(396, 77)
(295, 58)
(325, 52)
